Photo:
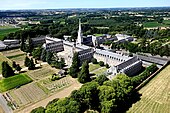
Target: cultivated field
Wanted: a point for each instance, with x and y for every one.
(53, 86)
(14, 81)
(27, 94)
(42, 72)
(155, 95)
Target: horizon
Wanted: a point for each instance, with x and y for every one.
(76, 4)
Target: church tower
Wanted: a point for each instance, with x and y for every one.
(79, 38)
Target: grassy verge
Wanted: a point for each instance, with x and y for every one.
(15, 56)
(13, 82)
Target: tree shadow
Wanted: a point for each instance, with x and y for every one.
(135, 97)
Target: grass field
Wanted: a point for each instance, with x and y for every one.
(3, 58)
(93, 67)
(100, 71)
(155, 95)
(14, 81)
(166, 22)
(156, 24)
(6, 31)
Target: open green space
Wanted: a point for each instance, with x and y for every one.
(98, 34)
(155, 95)
(154, 24)
(100, 71)
(15, 56)
(3, 58)
(13, 82)
(93, 67)
(6, 31)
(166, 22)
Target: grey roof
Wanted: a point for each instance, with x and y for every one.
(127, 63)
(111, 54)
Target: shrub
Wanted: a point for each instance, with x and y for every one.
(94, 61)
(101, 63)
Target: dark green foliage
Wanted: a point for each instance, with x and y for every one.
(49, 57)
(101, 63)
(59, 64)
(84, 75)
(94, 61)
(141, 77)
(31, 65)
(29, 45)
(27, 61)
(55, 77)
(74, 69)
(14, 65)
(38, 110)
(18, 68)
(37, 53)
(107, 66)
(6, 70)
(101, 79)
(43, 55)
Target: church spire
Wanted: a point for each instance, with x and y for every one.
(79, 38)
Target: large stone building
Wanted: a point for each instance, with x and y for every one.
(53, 45)
(129, 67)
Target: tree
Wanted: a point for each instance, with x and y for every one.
(49, 57)
(84, 75)
(107, 65)
(38, 110)
(27, 61)
(74, 69)
(18, 68)
(43, 55)
(31, 65)
(94, 60)
(14, 65)
(29, 46)
(101, 79)
(101, 63)
(6, 70)
(37, 53)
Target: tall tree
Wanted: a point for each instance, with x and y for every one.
(6, 70)
(31, 65)
(84, 75)
(27, 61)
(74, 69)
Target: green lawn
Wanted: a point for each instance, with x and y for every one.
(100, 71)
(166, 22)
(93, 67)
(13, 82)
(6, 31)
(154, 24)
(98, 34)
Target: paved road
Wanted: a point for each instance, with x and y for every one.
(4, 105)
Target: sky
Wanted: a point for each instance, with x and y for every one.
(57, 4)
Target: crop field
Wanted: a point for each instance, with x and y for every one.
(27, 94)
(93, 67)
(155, 24)
(14, 81)
(6, 31)
(56, 85)
(3, 58)
(155, 95)
(42, 72)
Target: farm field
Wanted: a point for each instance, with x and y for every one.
(14, 81)
(166, 22)
(93, 67)
(27, 94)
(56, 85)
(155, 95)
(153, 24)
(42, 72)
(6, 31)
(15, 55)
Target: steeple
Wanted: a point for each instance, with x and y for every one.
(79, 38)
